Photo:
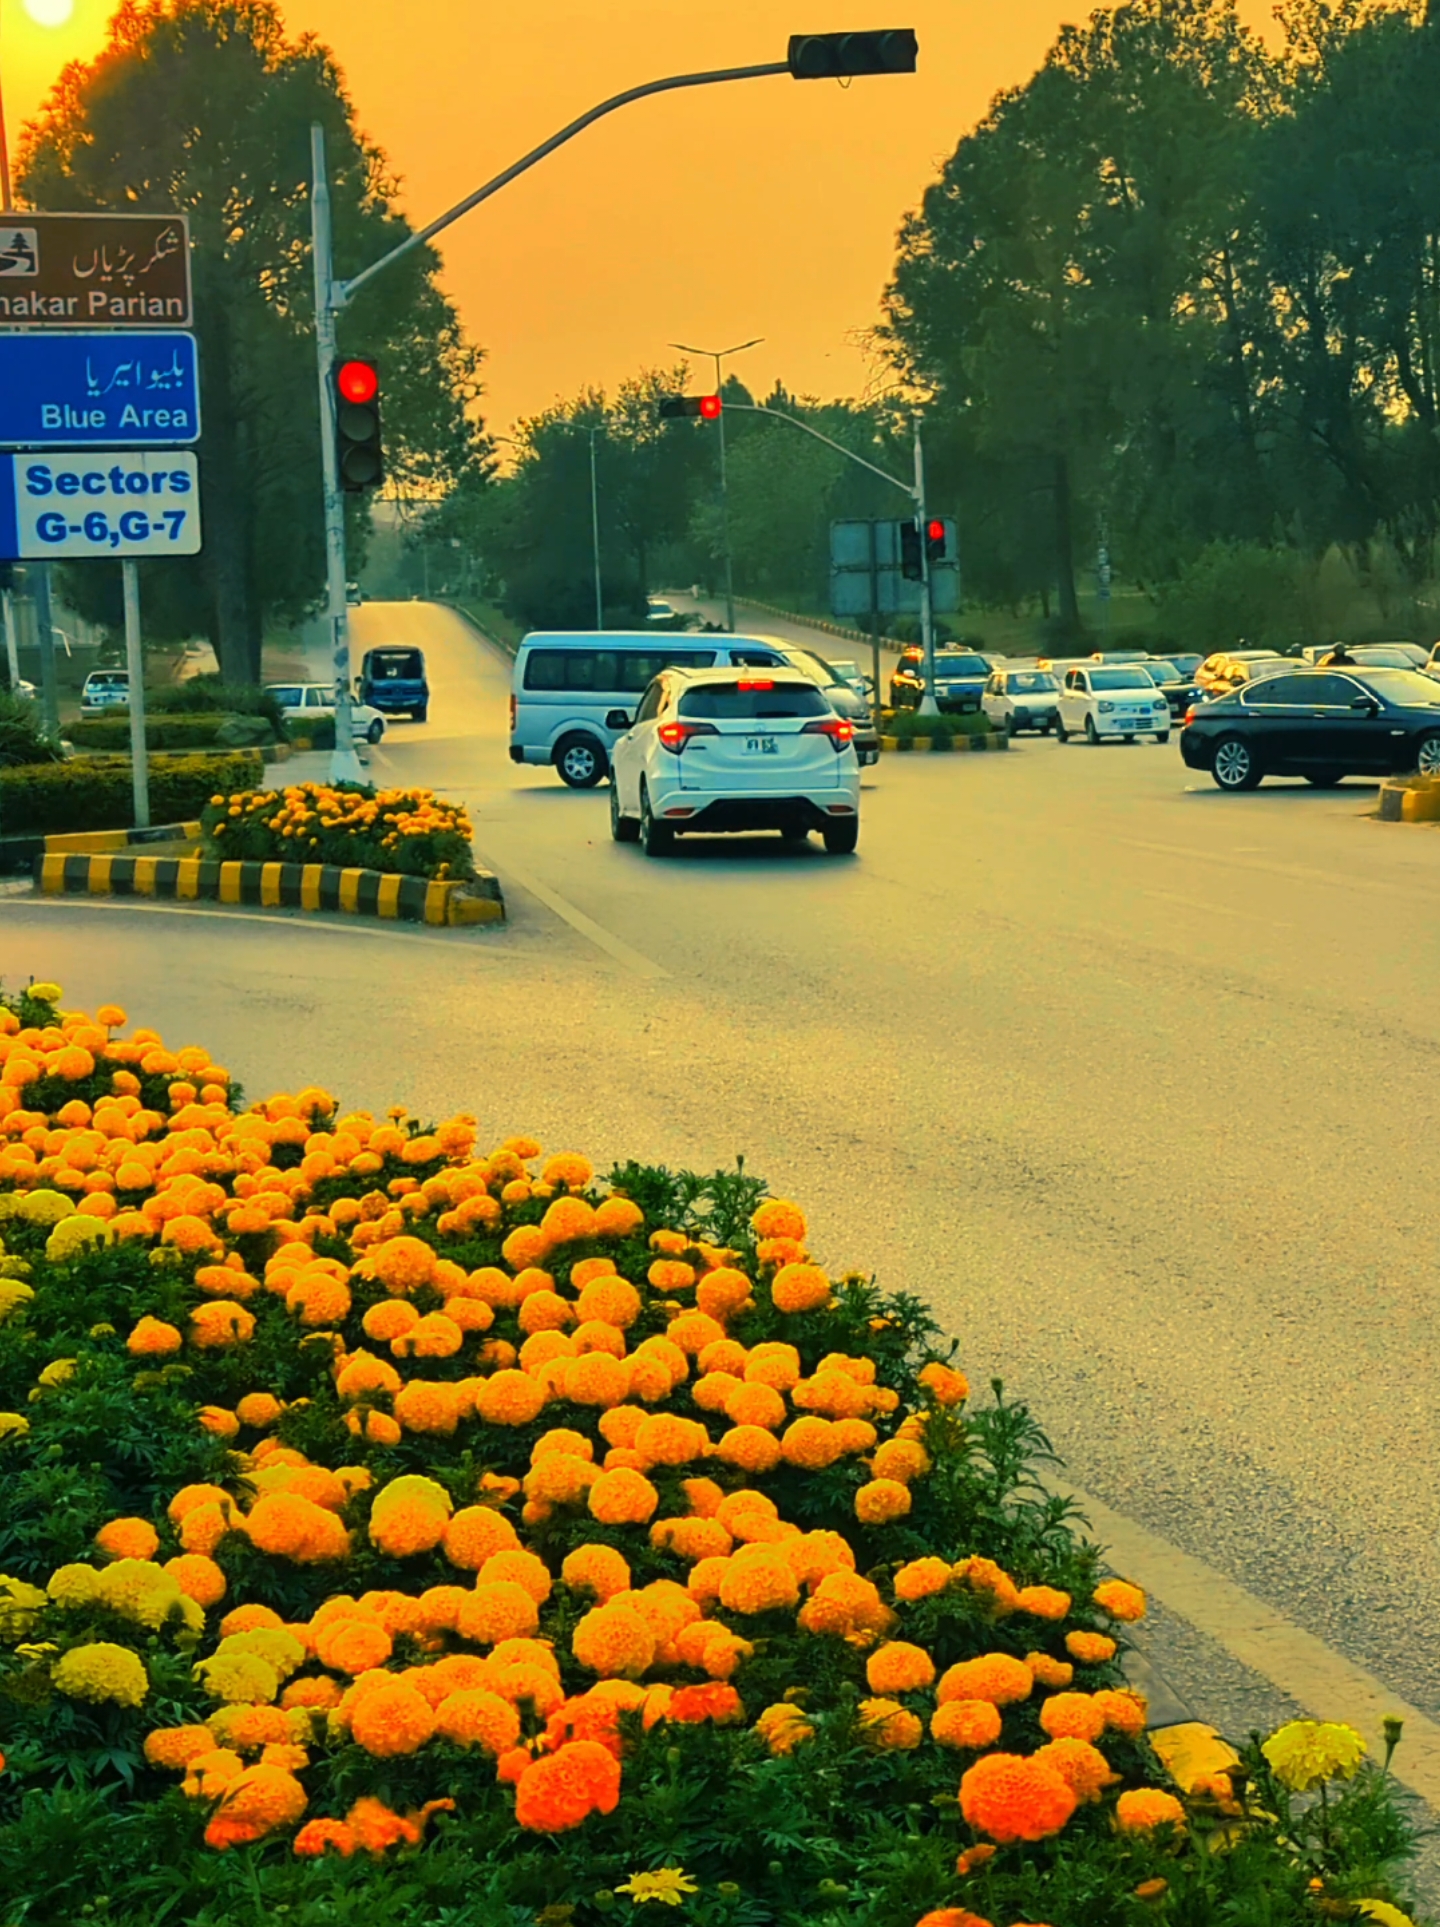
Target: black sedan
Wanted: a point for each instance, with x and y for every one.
(1178, 689)
(1322, 724)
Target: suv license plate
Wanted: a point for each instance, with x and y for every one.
(760, 746)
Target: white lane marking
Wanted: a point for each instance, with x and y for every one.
(359, 927)
(1294, 872)
(377, 755)
(587, 926)
(1303, 1667)
(1213, 909)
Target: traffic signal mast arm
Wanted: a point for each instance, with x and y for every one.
(774, 415)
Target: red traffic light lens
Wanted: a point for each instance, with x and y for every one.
(936, 531)
(710, 406)
(358, 381)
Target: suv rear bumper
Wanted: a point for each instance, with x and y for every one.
(733, 813)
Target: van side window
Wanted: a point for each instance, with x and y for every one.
(756, 659)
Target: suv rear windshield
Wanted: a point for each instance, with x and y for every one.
(107, 679)
(396, 665)
(1120, 679)
(614, 671)
(732, 702)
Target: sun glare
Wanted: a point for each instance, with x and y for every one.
(50, 13)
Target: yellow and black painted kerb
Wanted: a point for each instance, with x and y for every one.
(297, 886)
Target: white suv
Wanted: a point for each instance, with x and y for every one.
(1115, 699)
(734, 749)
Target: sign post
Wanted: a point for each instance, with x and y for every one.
(12, 652)
(135, 664)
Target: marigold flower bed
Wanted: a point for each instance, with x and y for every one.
(391, 1530)
(406, 832)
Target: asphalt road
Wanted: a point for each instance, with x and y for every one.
(1134, 1081)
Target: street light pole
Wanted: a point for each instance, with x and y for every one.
(717, 356)
(595, 534)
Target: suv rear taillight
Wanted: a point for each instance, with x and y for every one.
(674, 736)
(514, 707)
(837, 728)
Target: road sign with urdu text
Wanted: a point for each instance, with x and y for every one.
(95, 270)
(98, 390)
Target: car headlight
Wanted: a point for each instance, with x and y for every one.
(1105, 706)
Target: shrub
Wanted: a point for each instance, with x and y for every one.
(407, 832)
(265, 1437)
(22, 736)
(112, 732)
(907, 724)
(94, 793)
(210, 694)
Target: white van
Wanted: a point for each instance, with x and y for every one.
(574, 694)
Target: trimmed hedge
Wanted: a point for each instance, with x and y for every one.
(909, 723)
(93, 793)
(165, 732)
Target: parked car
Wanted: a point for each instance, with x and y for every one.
(105, 689)
(1186, 664)
(313, 702)
(1372, 655)
(1119, 700)
(842, 697)
(1119, 655)
(1021, 699)
(1322, 724)
(1217, 672)
(565, 684)
(1178, 690)
(26, 691)
(393, 680)
(721, 750)
(960, 678)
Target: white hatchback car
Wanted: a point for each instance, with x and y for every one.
(105, 689)
(1114, 699)
(1017, 699)
(313, 702)
(734, 749)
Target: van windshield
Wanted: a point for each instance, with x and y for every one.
(397, 665)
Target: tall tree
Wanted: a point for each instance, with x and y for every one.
(205, 107)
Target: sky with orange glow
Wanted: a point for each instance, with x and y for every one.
(764, 208)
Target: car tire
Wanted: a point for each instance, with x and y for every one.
(624, 829)
(1062, 734)
(1324, 779)
(658, 838)
(1233, 767)
(580, 761)
(1427, 754)
(841, 838)
(1162, 735)
(421, 715)
(1092, 734)
(375, 731)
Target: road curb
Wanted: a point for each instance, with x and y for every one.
(1410, 799)
(18, 854)
(942, 745)
(292, 886)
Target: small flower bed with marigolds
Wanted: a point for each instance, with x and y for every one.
(397, 1529)
(410, 833)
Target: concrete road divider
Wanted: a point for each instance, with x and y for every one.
(944, 745)
(1410, 799)
(18, 854)
(295, 886)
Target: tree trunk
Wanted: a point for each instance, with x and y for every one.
(224, 502)
(1065, 549)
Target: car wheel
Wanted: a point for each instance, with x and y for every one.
(1162, 735)
(1325, 779)
(420, 715)
(375, 731)
(1427, 754)
(624, 829)
(1062, 734)
(580, 761)
(841, 838)
(658, 838)
(1092, 735)
(1234, 767)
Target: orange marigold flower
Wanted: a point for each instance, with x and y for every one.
(297, 1528)
(615, 1641)
(260, 1409)
(525, 1246)
(1120, 1599)
(752, 1405)
(779, 1218)
(885, 1723)
(608, 1299)
(944, 1383)
(965, 1723)
(899, 1667)
(391, 1720)
(500, 1610)
(322, 1836)
(799, 1287)
(617, 1218)
(1091, 1649)
(566, 1168)
(953, 1916)
(567, 1220)
(510, 1398)
(759, 1579)
(1083, 1766)
(597, 1569)
(172, 1748)
(430, 1406)
(260, 1801)
(1012, 1798)
(1073, 1716)
(475, 1534)
(597, 1379)
(1046, 1671)
(478, 1718)
(814, 1443)
(352, 1646)
(402, 1265)
(996, 1677)
(128, 1539)
(623, 1497)
(750, 1447)
(1124, 1711)
(717, 1702)
(376, 1827)
(921, 1579)
(900, 1459)
(198, 1577)
(1141, 1809)
(524, 1568)
(560, 1791)
(882, 1500)
(221, 1323)
(722, 1293)
(153, 1338)
(983, 1575)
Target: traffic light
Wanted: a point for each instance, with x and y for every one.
(912, 566)
(674, 408)
(359, 452)
(835, 56)
(936, 539)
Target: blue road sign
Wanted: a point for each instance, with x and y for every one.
(102, 390)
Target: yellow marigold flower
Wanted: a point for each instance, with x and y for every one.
(669, 1886)
(799, 1288)
(886, 1724)
(881, 1501)
(238, 1678)
(783, 1727)
(73, 1585)
(102, 1671)
(1303, 1753)
(1142, 1809)
(20, 1607)
(139, 1590)
(1120, 1599)
(779, 1218)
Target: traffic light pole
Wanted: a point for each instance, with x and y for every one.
(344, 763)
(928, 704)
